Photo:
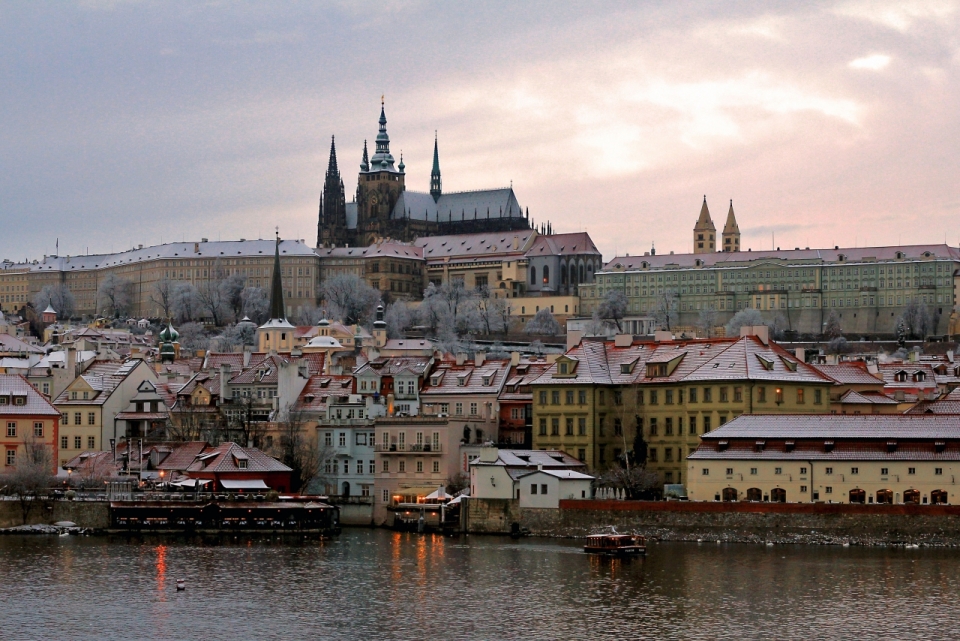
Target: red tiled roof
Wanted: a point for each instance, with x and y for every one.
(472, 376)
(849, 373)
(224, 457)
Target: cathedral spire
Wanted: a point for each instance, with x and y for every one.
(332, 164)
(365, 163)
(704, 232)
(277, 310)
(435, 189)
(382, 160)
(731, 232)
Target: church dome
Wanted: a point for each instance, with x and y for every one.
(169, 334)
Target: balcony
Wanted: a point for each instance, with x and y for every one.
(393, 448)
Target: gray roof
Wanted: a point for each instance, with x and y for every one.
(808, 256)
(460, 205)
(838, 426)
(227, 248)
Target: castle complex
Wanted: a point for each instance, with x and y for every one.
(383, 208)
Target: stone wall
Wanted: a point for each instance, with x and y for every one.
(489, 516)
(89, 514)
(356, 514)
(744, 522)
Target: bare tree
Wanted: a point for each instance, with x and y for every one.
(57, 296)
(256, 305)
(457, 483)
(665, 313)
(350, 297)
(706, 321)
(450, 310)
(212, 301)
(492, 311)
(193, 337)
(114, 296)
(636, 482)
(918, 319)
(543, 323)
(307, 315)
(297, 448)
(234, 336)
(613, 308)
(32, 476)
(832, 329)
(162, 295)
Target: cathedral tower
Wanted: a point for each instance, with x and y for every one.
(704, 232)
(378, 187)
(731, 232)
(332, 228)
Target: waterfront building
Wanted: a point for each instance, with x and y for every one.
(467, 391)
(228, 467)
(596, 398)
(383, 208)
(516, 401)
(857, 388)
(414, 456)
(544, 489)
(29, 423)
(829, 458)
(495, 473)
(395, 379)
(90, 404)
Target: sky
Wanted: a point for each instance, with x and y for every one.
(126, 122)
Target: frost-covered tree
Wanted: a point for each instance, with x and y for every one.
(832, 329)
(613, 308)
(706, 321)
(666, 311)
(748, 317)
(349, 298)
(185, 305)
(114, 296)
(543, 323)
(57, 296)
(256, 304)
(398, 318)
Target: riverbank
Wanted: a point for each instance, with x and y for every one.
(779, 523)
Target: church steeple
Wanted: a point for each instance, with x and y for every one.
(731, 232)
(365, 162)
(382, 160)
(333, 214)
(277, 309)
(332, 163)
(704, 232)
(435, 188)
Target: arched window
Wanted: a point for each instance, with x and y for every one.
(778, 495)
(938, 496)
(563, 274)
(884, 496)
(582, 273)
(729, 494)
(546, 275)
(858, 496)
(573, 274)
(754, 494)
(911, 496)
(533, 275)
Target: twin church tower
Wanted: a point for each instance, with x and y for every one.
(705, 233)
(383, 208)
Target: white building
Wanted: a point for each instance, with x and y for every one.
(495, 473)
(545, 488)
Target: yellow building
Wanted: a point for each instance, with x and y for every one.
(832, 458)
(594, 399)
(14, 287)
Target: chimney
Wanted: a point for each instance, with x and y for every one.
(479, 358)
(514, 358)
(661, 336)
(573, 338)
(623, 340)
(246, 356)
(224, 375)
(762, 332)
(70, 361)
(801, 354)
(489, 454)
(516, 242)
(461, 358)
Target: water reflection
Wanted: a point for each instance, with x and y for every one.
(378, 584)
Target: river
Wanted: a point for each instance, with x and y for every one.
(376, 584)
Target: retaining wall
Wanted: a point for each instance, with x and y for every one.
(747, 522)
(90, 514)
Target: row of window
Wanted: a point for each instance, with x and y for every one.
(884, 471)
(402, 466)
(78, 442)
(12, 429)
(670, 397)
(78, 418)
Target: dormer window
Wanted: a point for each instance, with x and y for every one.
(487, 380)
(900, 377)
(19, 400)
(563, 367)
(919, 377)
(242, 464)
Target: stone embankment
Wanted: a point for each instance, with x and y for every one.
(93, 515)
(830, 524)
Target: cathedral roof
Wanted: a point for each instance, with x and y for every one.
(563, 245)
(460, 205)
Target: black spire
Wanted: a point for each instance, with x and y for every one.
(277, 310)
(435, 189)
(332, 164)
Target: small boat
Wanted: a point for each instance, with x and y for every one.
(616, 545)
(181, 585)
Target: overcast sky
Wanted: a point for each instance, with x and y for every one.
(827, 124)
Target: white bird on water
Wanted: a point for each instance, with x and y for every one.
(181, 585)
